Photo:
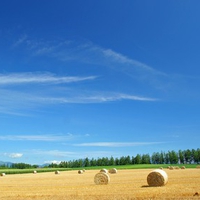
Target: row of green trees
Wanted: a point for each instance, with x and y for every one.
(171, 157)
(18, 166)
(23, 166)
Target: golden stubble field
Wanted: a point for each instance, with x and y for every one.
(125, 185)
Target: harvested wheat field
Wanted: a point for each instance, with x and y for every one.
(124, 185)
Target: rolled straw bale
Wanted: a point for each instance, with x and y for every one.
(198, 166)
(57, 172)
(83, 170)
(177, 167)
(183, 167)
(101, 178)
(171, 167)
(104, 171)
(3, 174)
(161, 168)
(35, 172)
(80, 171)
(157, 178)
(113, 171)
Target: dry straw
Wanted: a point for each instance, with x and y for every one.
(183, 167)
(57, 172)
(198, 166)
(113, 171)
(35, 172)
(104, 171)
(157, 177)
(101, 178)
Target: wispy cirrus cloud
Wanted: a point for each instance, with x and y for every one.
(44, 138)
(11, 101)
(117, 57)
(16, 90)
(21, 40)
(36, 89)
(119, 96)
(94, 54)
(86, 51)
(55, 153)
(24, 78)
(116, 144)
(58, 154)
(93, 98)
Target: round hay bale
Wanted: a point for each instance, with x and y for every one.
(104, 171)
(183, 167)
(3, 174)
(198, 166)
(83, 170)
(171, 167)
(157, 178)
(177, 167)
(80, 171)
(161, 168)
(113, 171)
(57, 172)
(101, 178)
(35, 172)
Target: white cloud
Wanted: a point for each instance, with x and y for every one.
(118, 96)
(58, 155)
(93, 98)
(52, 161)
(24, 78)
(14, 155)
(42, 95)
(48, 88)
(89, 53)
(116, 144)
(54, 153)
(20, 41)
(117, 57)
(47, 138)
(11, 101)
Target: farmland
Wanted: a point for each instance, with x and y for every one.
(127, 184)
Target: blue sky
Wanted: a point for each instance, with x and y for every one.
(98, 78)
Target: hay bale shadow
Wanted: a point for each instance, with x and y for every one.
(145, 186)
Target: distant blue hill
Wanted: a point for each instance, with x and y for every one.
(7, 164)
(43, 165)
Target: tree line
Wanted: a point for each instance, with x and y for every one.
(171, 157)
(18, 166)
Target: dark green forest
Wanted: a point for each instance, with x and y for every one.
(171, 157)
